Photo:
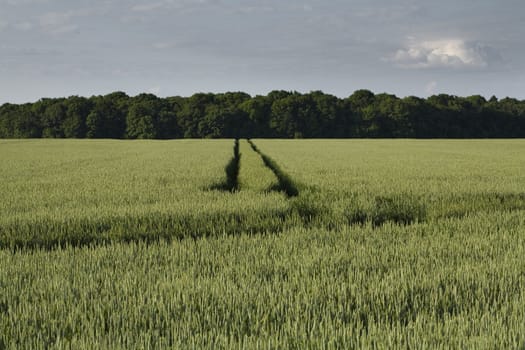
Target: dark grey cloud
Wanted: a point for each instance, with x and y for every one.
(64, 47)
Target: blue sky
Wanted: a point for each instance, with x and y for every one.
(51, 48)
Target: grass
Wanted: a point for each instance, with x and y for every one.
(253, 173)
(388, 244)
(285, 182)
(455, 284)
(78, 192)
(435, 179)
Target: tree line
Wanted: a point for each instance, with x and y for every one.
(280, 114)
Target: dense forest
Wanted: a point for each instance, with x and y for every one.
(281, 114)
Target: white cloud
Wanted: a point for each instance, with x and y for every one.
(24, 26)
(64, 29)
(24, 2)
(181, 5)
(451, 53)
(163, 45)
(64, 22)
(430, 88)
(52, 19)
(254, 9)
(155, 90)
(147, 7)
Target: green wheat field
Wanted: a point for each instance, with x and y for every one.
(262, 244)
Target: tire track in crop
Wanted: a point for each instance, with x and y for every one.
(232, 172)
(232, 169)
(313, 206)
(253, 174)
(286, 183)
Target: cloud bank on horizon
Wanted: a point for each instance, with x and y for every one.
(179, 47)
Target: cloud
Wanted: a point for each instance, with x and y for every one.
(430, 88)
(163, 45)
(147, 7)
(307, 8)
(65, 22)
(23, 26)
(52, 19)
(254, 9)
(3, 25)
(451, 53)
(155, 90)
(180, 5)
(64, 29)
(24, 2)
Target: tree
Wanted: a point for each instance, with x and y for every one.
(52, 116)
(278, 114)
(295, 116)
(193, 110)
(328, 115)
(258, 110)
(107, 118)
(77, 110)
(19, 121)
(142, 117)
(359, 104)
(94, 124)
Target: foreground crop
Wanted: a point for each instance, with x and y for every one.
(84, 192)
(198, 244)
(458, 284)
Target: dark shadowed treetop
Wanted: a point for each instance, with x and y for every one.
(284, 114)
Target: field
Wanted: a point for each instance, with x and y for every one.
(262, 244)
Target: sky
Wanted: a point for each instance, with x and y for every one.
(57, 48)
